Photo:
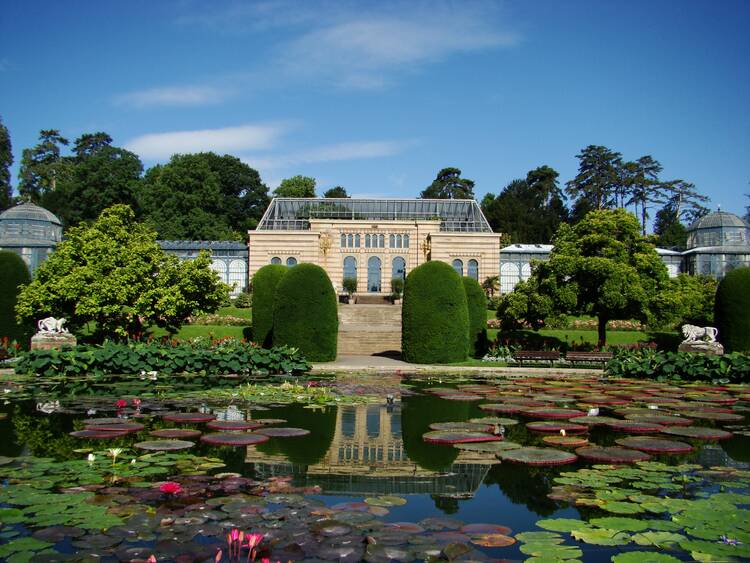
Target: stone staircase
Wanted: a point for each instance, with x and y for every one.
(369, 329)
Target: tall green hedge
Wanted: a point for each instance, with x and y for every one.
(435, 316)
(305, 313)
(732, 310)
(476, 301)
(13, 274)
(265, 281)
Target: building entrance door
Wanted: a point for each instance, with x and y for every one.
(373, 274)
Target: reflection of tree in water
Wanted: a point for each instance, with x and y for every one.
(525, 484)
(737, 447)
(417, 413)
(45, 436)
(448, 505)
(305, 450)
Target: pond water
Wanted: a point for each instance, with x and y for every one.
(363, 483)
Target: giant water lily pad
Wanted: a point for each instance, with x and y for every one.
(600, 454)
(493, 540)
(553, 413)
(538, 456)
(644, 557)
(697, 432)
(164, 445)
(461, 397)
(118, 427)
(505, 408)
(654, 445)
(488, 447)
(556, 426)
(592, 420)
(635, 427)
(462, 426)
(561, 524)
(282, 432)
(502, 421)
(99, 434)
(717, 416)
(175, 433)
(224, 425)
(233, 439)
(565, 441)
(189, 417)
(269, 421)
(448, 437)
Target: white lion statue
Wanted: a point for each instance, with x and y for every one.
(694, 333)
(51, 325)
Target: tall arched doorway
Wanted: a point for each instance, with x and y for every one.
(373, 274)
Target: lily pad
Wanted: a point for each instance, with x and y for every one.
(546, 412)
(99, 434)
(698, 433)
(601, 536)
(233, 439)
(471, 529)
(620, 523)
(164, 445)
(493, 540)
(561, 524)
(232, 425)
(462, 426)
(386, 501)
(658, 539)
(600, 454)
(175, 433)
(118, 427)
(189, 417)
(505, 408)
(565, 441)
(538, 456)
(644, 557)
(448, 437)
(488, 447)
(635, 427)
(502, 421)
(654, 445)
(662, 419)
(282, 432)
(556, 426)
(593, 420)
(269, 421)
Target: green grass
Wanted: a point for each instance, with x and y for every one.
(192, 331)
(235, 312)
(579, 336)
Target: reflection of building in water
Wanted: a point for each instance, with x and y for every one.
(714, 455)
(367, 456)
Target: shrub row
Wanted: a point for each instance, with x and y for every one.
(680, 366)
(223, 357)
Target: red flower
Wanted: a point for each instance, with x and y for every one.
(136, 402)
(121, 403)
(170, 488)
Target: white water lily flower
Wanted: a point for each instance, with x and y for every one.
(91, 458)
(132, 461)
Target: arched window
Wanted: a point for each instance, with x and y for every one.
(275, 260)
(398, 268)
(392, 241)
(220, 268)
(356, 240)
(458, 266)
(381, 241)
(343, 240)
(399, 241)
(509, 277)
(237, 276)
(473, 269)
(291, 261)
(373, 274)
(367, 241)
(350, 267)
(406, 241)
(350, 241)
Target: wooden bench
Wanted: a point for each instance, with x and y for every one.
(536, 356)
(588, 357)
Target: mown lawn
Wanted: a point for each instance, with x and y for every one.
(235, 312)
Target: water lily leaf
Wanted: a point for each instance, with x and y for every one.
(657, 539)
(540, 537)
(644, 557)
(385, 501)
(23, 544)
(551, 552)
(601, 536)
(619, 523)
(720, 551)
(561, 524)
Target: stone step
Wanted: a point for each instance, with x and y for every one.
(369, 329)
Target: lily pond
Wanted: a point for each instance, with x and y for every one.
(378, 469)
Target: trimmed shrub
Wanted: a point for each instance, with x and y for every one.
(244, 300)
(350, 285)
(435, 316)
(732, 310)
(265, 281)
(476, 301)
(13, 274)
(305, 313)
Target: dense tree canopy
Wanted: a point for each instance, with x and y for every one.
(114, 273)
(598, 178)
(529, 210)
(43, 166)
(99, 176)
(296, 186)
(602, 266)
(337, 191)
(6, 160)
(449, 185)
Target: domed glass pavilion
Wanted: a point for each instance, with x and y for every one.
(31, 232)
(717, 243)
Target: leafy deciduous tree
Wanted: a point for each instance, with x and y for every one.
(598, 179)
(338, 191)
(296, 186)
(42, 167)
(449, 185)
(6, 160)
(114, 273)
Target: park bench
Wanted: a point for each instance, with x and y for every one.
(522, 356)
(588, 357)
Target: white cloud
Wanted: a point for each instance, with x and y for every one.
(175, 96)
(330, 153)
(158, 146)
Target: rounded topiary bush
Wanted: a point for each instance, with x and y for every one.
(13, 275)
(305, 313)
(732, 310)
(265, 281)
(435, 317)
(476, 301)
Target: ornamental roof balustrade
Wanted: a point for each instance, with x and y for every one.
(295, 214)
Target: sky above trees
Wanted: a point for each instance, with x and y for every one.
(379, 96)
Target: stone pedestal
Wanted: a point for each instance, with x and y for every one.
(52, 341)
(700, 347)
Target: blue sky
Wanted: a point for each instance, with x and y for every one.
(378, 96)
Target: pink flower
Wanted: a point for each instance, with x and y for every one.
(151, 559)
(170, 488)
(253, 540)
(121, 403)
(136, 402)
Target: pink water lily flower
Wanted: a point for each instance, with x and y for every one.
(170, 488)
(121, 403)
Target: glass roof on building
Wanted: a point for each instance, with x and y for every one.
(294, 214)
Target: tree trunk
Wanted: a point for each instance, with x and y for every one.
(643, 215)
(602, 331)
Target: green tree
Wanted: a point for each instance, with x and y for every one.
(296, 186)
(602, 266)
(448, 184)
(670, 231)
(6, 160)
(13, 276)
(99, 177)
(43, 166)
(642, 186)
(598, 181)
(528, 210)
(115, 274)
(183, 200)
(685, 299)
(337, 191)
(686, 201)
(490, 285)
